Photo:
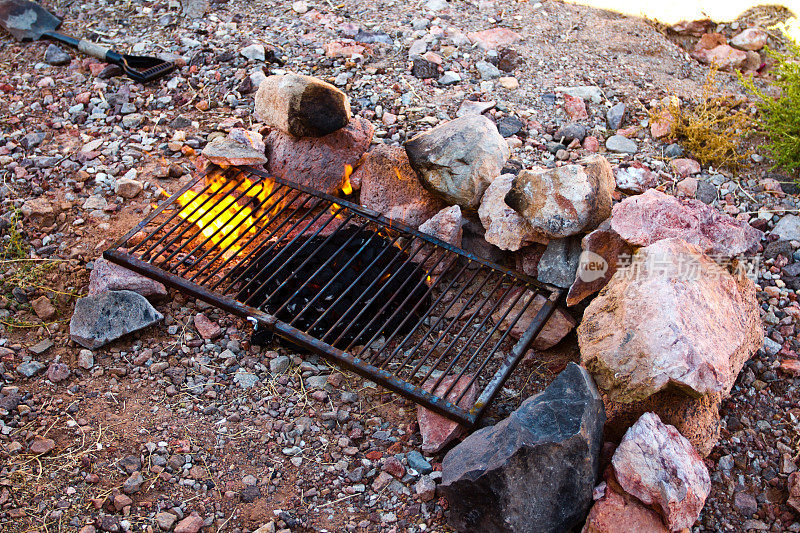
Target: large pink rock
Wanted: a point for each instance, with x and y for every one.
(556, 328)
(390, 186)
(602, 250)
(657, 465)
(673, 319)
(107, 276)
(438, 431)
(318, 162)
(505, 228)
(619, 511)
(565, 200)
(644, 219)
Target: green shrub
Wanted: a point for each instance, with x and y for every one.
(780, 115)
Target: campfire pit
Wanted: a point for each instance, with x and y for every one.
(397, 306)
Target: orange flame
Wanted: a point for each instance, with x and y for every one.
(347, 187)
(217, 214)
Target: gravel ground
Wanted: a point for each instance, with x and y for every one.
(245, 436)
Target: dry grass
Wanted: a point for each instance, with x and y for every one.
(714, 129)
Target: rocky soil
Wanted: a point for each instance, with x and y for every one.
(185, 425)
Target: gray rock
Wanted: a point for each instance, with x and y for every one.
(487, 70)
(459, 159)
(102, 318)
(587, 92)
(450, 78)
(245, 379)
(620, 144)
(418, 462)
(566, 134)
(55, 55)
(30, 368)
(535, 470)
(706, 192)
(32, 140)
(279, 365)
(254, 52)
(615, 115)
(673, 150)
(302, 106)
(788, 228)
(194, 9)
(559, 262)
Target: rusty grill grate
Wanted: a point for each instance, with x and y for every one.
(410, 312)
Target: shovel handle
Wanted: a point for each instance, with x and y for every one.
(87, 47)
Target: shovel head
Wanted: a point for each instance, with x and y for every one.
(26, 21)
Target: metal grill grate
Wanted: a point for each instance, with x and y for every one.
(412, 313)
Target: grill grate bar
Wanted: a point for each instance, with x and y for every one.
(408, 311)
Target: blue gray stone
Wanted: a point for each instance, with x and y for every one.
(104, 317)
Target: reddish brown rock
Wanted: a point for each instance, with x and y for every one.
(618, 511)
(493, 38)
(42, 445)
(318, 162)
(644, 219)
(527, 259)
(575, 107)
(190, 524)
(43, 308)
(390, 186)
(685, 167)
(697, 419)
(709, 41)
(674, 319)
(556, 328)
(108, 276)
(658, 466)
(602, 251)
(57, 372)
(436, 430)
(206, 328)
(793, 484)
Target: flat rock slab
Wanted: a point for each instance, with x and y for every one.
(224, 151)
(533, 471)
(438, 431)
(102, 318)
(108, 276)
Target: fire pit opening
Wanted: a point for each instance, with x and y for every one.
(344, 288)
